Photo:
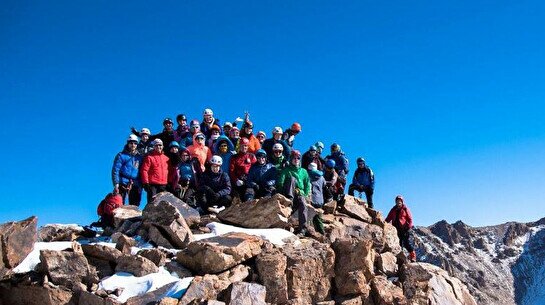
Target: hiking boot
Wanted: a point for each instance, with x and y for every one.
(301, 233)
(412, 256)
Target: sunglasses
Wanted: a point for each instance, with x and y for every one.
(158, 145)
(277, 151)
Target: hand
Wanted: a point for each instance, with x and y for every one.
(116, 189)
(214, 196)
(297, 191)
(239, 182)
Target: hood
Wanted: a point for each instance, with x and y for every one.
(221, 138)
(195, 143)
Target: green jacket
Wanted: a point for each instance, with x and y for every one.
(300, 175)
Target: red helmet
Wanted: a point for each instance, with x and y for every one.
(295, 153)
(244, 141)
(296, 127)
(399, 197)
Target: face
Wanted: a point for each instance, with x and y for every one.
(277, 153)
(200, 140)
(261, 138)
(174, 149)
(215, 133)
(313, 153)
(295, 160)
(248, 129)
(223, 148)
(185, 156)
(244, 148)
(215, 168)
(334, 149)
(277, 136)
(399, 202)
(182, 121)
(235, 133)
(158, 147)
(319, 150)
(207, 118)
(361, 164)
(168, 125)
(261, 159)
(226, 129)
(195, 128)
(132, 145)
(145, 137)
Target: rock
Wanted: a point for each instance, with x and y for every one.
(330, 207)
(387, 264)
(386, 293)
(377, 217)
(36, 295)
(126, 212)
(154, 255)
(151, 297)
(355, 207)
(102, 252)
(168, 301)
(16, 242)
(87, 298)
(271, 266)
(137, 265)
(129, 228)
(155, 237)
(190, 215)
(354, 264)
(209, 287)
(247, 293)
(264, 213)
(391, 241)
(68, 267)
(103, 268)
(58, 232)
(219, 253)
(351, 228)
(178, 269)
(125, 244)
(168, 220)
(427, 284)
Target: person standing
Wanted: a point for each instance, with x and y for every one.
(363, 181)
(154, 170)
(125, 175)
(289, 135)
(401, 218)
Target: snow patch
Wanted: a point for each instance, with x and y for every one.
(33, 258)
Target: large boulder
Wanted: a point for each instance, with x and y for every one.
(126, 212)
(354, 266)
(16, 242)
(190, 214)
(69, 267)
(137, 265)
(36, 295)
(387, 264)
(157, 256)
(346, 227)
(219, 253)
(247, 293)
(59, 232)
(170, 223)
(385, 292)
(355, 208)
(271, 266)
(102, 252)
(151, 297)
(427, 284)
(391, 241)
(262, 213)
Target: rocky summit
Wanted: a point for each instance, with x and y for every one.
(169, 254)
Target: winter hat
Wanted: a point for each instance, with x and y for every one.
(312, 166)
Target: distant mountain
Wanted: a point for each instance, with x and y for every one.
(501, 265)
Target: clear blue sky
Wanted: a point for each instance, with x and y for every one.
(445, 100)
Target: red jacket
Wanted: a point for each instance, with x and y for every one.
(154, 169)
(400, 217)
(239, 166)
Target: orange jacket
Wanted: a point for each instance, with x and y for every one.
(201, 152)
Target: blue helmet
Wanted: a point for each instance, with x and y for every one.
(260, 152)
(330, 163)
(174, 144)
(312, 148)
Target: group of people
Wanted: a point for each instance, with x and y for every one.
(207, 164)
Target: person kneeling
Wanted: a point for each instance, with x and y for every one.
(214, 188)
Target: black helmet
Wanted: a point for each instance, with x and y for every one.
(167, 120)
(181, 117)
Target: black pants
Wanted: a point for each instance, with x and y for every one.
(208, 198)
(134, 194)
(406, 239)
(252, 193)
(155, 189)
(299, 202)
(368, 193)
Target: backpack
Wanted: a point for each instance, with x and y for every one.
(107, 206)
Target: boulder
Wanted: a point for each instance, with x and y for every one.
(346, 227)
(129, 227)
(126, 212)
(355, 208)
(125, 244)
(137, 265)
(102, 252)
(386, 293)
(247, 293)
(16, 242)
(330, 207)
(210, 287)
(58, 232)
(168, 301)
(190, 214)
(391, 241)
(262, 213)
(103, 268)
(168, 220)
(219, 253)
(151, 297)
(157, 256)
(354, 266)
(68, 267)
(427, 284)
(88, 298)
(271, 266)
(387, 264)
(178, 269)
(36, 295)
(155, 237)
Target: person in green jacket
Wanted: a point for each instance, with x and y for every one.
(294, 183)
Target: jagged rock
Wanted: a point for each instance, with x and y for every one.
(102, 252)
(103, 268)
(330, 207)
(190, 215)
(16, 242)
(168, 301)
(58, 232)
(126, 212)
(262, 213)
(154, 255)
(391, 241)
(354, 264)
(345, 227)
(209, 287)
(68, 267)
(137, 265)
(427, 284)
(125, 244)
(36, 295)
(168, 220)
(178, 269)
(216, 254)
(355, 207)
(271, 266)
(387, 264)
(155, 237)
(386, 293)
(88, 298)
(151, 297)
(247, 293)
(513, 231)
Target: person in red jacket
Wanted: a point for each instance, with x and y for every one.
(154, 170)
(239, 166)
(400, 216)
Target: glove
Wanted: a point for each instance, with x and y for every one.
(256, 186)
(291, 138)
(116, 189)
(214, 196)
(239, 182)
(297, 191)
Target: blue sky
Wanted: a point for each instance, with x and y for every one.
(444, 100)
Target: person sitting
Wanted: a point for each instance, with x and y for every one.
(194, 128)
(261, 137)
(154, 170)
(240, 166)
(182, 130)
(225, 149)
(199, 150)
(247, 132)
(331, 177)
(186, 191)
(363, 181)
(234, 136)
(276, 139)
(401, 218)
(261, 178)
(214, 188)
(125, 176)
(318, 185)
(312, 156)
(278, 159)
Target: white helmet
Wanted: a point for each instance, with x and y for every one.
(216, 160)
(132, 138)
(277, 130)
(208, 111)
(278, 146)
(145, 131)
(157, 141)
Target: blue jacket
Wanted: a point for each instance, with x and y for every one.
(341, 162)
(226, 157)
(364, 176)
(219, 182)
(187, 169)
(317, 185)
(126, 168)
(262, 175)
